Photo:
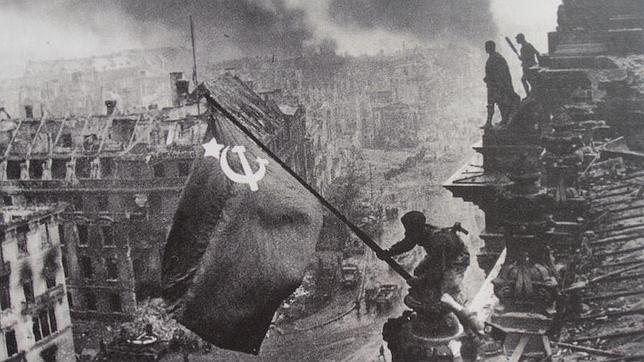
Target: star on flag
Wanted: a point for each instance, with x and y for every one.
(213, 148)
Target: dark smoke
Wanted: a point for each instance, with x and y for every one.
(249, 26)
(232, 28)
(252, 25)
(427, 19)
(280, 26)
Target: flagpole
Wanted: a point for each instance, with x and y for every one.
(195, 80)
(359, 233)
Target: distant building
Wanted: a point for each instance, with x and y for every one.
(66, 87)
(366, 101)
(35, 318)
(395, 125)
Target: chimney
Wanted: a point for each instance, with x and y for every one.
(175, 77)
(183, 88)
(110, 106)
(29, 111)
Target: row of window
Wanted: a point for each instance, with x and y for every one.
(87, 268)
(102, 202)
(183, 169)
(21, 238)
(91, 302)
(106, 232)
(27, 289)
(128, 202)
(83, 169)
(43, 325)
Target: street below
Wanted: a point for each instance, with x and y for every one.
(340, 331)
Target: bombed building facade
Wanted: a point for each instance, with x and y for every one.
(357, 90)
(66, 87)
(121, 175)
(35, 317)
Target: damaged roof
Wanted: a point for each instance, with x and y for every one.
(613, 319)
(261, 117)
(118, 135)
(141, 133)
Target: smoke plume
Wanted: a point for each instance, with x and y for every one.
(46, 29)
(427, 20)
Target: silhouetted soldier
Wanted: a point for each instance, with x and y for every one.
(529, 58)
(446, 259)
(500, 91)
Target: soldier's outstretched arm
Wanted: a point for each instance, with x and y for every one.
(402, 246)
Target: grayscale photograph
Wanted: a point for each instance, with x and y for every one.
(321, 180)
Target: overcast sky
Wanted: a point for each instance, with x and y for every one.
(46, 34)
(534, 18)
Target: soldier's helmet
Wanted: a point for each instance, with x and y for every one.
(490, 46)
(413, 221)
(520, 37)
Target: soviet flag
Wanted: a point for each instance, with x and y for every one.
(242, 236)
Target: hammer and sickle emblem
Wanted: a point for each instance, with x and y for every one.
(213, 148)
(248, 177)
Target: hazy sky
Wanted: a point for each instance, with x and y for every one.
(47, 29)
(534, 18)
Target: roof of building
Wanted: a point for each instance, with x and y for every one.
(143, 58)
(261, 117)
(117, 135)
(605, 290)
(145, 134)
(614, 319)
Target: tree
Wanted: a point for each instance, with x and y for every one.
(344, 191)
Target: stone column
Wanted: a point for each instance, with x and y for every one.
(562, 161)
(3, 170)
(526, 285)
(70, 171)
(95, 168)
(46, 170)
(24, 170)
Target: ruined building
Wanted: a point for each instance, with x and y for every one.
(35, 318)
(122, 174)
(66, 87)
(561, 188)
(358, 101)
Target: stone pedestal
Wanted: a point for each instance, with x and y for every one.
(503, 148)
(562, 161)
(408, 339)
(524, 324)
(432, 332)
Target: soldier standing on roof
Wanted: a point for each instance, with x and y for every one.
(529, 58)
(500, 91)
